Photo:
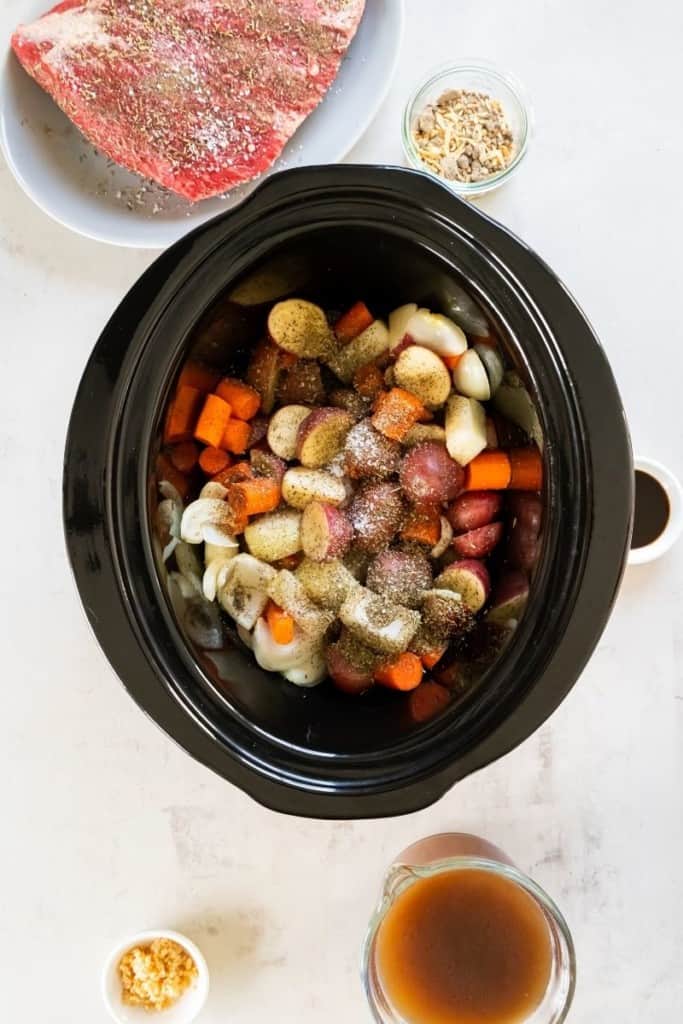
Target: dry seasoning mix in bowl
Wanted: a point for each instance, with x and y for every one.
(468, 125)
(156, 975)
(464, 136)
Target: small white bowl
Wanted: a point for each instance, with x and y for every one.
(188, 1007)
(672, 530)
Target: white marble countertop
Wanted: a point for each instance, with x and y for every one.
(109, 828)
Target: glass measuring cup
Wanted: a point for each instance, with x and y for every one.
(441, 855)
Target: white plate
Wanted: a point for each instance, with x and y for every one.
(61, 172)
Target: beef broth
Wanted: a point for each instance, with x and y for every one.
(464, 947)
(651, 510)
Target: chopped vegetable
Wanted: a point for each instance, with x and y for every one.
(353, 322)
(182, 415)
(253, 497)
(300, 327)
(489, 471)
(473, 509)
(380, 624)
(213, 420)
(433, 657)
(275, 535)
(526, 469)
(470, 376)
(427, 701)
(365, 348)
(213, 461)
(514, 401)
(478, 543)
(401, 576)
(424, 432)
(232, 474)
(424, 374)
(244, 400)
(423, 526)
(403, 673)
(184, 456)
(396, 411)
(236, 436)
(284, 428)
(437, 332)
(321, 436)
(368, 380)
(326, 583)
(301, 486)
(429, 475)
(369, 454)
(264, 371)
(289, 593)
(326, 532)
(465, 428)
(470, 579)
(376, 514)
(280, 624)
(398, 321)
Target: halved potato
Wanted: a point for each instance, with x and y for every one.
(321, 436)
(300, 327)
(284, 428)
(301, 486)
(370, 344)
(275, 535)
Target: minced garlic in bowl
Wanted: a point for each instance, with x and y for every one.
(156, 975)
(469, 126)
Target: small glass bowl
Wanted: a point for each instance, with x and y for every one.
(477, 76)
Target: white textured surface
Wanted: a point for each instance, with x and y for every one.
(108, 828)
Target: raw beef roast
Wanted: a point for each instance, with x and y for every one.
(199, 95)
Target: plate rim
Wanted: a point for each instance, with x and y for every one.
(37, 197)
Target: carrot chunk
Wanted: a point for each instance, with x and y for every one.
(403, 673)
(212, 422)
(368, 380)
(234, 474)
(280, 624)
(396, 411)
(213, 461)
(252, 497)
(236, 434)
(244, 400)
(427, 701)
(451, 361)
(196, 375)
(184, 456)
(489, 471)
(423, 526)
(526, 468)
(353, 322)
(432, 658)
(182, 415)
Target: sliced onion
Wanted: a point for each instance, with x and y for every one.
(202, 621)
(465, 311)
(189, 565)
(212, 489)
(201, 513)
(444, 540)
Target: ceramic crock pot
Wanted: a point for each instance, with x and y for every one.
(341, 233)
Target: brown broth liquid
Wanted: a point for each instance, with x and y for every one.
(464, 947)
(651, 510)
